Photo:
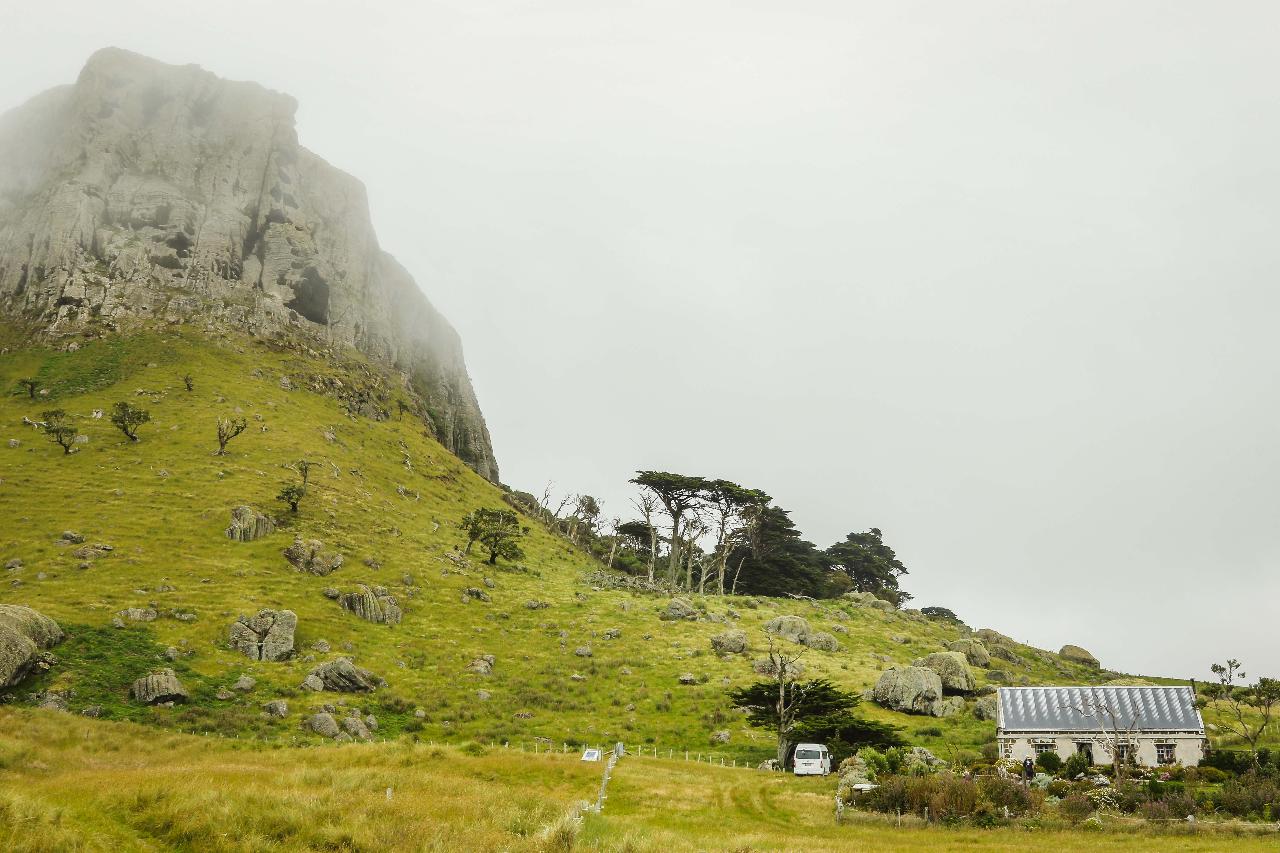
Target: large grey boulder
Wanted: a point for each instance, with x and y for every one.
(311, 556)
(985, 708)
(822, 641)
(247, 524)
(678, 609)
(277, 708)
(343, 676)
(912, 689)
(1076, 654)
(974, 650)
(952, 668)
(25, 638)
(792, 628)
(372, 604)
(157, 687)
(731, 642)
(323, 724)
(267, 636)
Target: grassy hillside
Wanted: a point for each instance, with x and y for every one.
(388, 497)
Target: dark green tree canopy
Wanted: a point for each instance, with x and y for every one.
(497, 530)
(869, 564)
(775, 560)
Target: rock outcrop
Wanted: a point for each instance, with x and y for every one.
(952, 669)
(372, 604)
(247, 524)
(793, 628)
(25, 638)
(731, 642)
(266, 636)
(974, 650)
(913, 689)
(311, 556)
(1075, 654)
(343, 676)
(153, 192)
(158, 687)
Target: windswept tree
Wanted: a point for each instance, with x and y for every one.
(646, 504)
(775, 704)
(497, 531)
(776, 559)
(128, 417)
(869, 564)
(1249, 709)
(727, 506)
(30, 386)
(291, 494)
(228, 428)
(678, 493)
(56, 425)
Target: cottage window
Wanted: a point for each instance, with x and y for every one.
(1006, 749)
(1164, 753)
(1124, 752)
(1042, 747)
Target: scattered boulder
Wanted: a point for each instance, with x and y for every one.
(678, 609)
(372, 604)
(913, 689)
(25, 639)
(611, 634)
(731, 642)
(950, 706)
(247, 524)
(331, 592)
(952, 668)
(157, 687)
(583, 651)
(138, 614)
(822, 641)
(768, 666)
(323, 724)
(481, 695)
(721, 736)
(1076, 654)
(356, 727)
(50, 701)
(792, 628)
(918, 759)
(536, 605)
(482, 665)
(277, 708)
(267, 636)
(312, 682)
(768, 764)
(985, 708)
(973, 649)
(71, 537)
(1004, 652)
(343, 676)
(999, 676)
(245, 683)
(474, 593)
(93, 711)
(687, 678)
(310, 556)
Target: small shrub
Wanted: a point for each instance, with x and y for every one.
(1050, 762)
(1075, 765)
(1156, 810)
(1008, 793)
(1075, 807)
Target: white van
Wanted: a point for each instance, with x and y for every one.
(811, 759)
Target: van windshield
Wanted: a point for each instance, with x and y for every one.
(808, 753)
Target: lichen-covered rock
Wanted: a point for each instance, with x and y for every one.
(687, 678)
(323, 724)
(949, 706)
(792, 628)
(678, 609)
(918, 759)
(1078, 655)
(474, 593)
(310, 556)
(721, 736)
(356, 727)
(138, 614)
(343, 676)
(952, 668)
(277, 708)
(146, 190)
(482, 665)
(245, 683)
(157, 687)
(247, 524)
(985, 708)
(731, 642)
(25, 639)
(372, 604)
(769, 666)
(973, 649)
(822, 641)
(583, 651)
(266, 636)
(913, 689)
(313, 683)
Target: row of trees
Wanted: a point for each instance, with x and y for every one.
(716, 536)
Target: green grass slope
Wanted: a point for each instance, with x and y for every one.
(388, 497)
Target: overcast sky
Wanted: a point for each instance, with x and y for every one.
(996, 277)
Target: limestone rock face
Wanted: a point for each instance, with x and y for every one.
(914, 689)
(974, 650)
(247, 524)
(952, 668)
(154, 192)
(343, 676)
(372, 604)
(160, 686)
(267, 636)
(1079, 655)
(24, 636)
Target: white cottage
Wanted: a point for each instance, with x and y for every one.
(1150, 725)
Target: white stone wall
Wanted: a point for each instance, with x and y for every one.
(1188, 749)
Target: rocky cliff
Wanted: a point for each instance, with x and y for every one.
(148, 192)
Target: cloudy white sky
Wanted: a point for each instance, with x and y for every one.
(996, 277)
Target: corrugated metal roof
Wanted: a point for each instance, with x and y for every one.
(1056, 709)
